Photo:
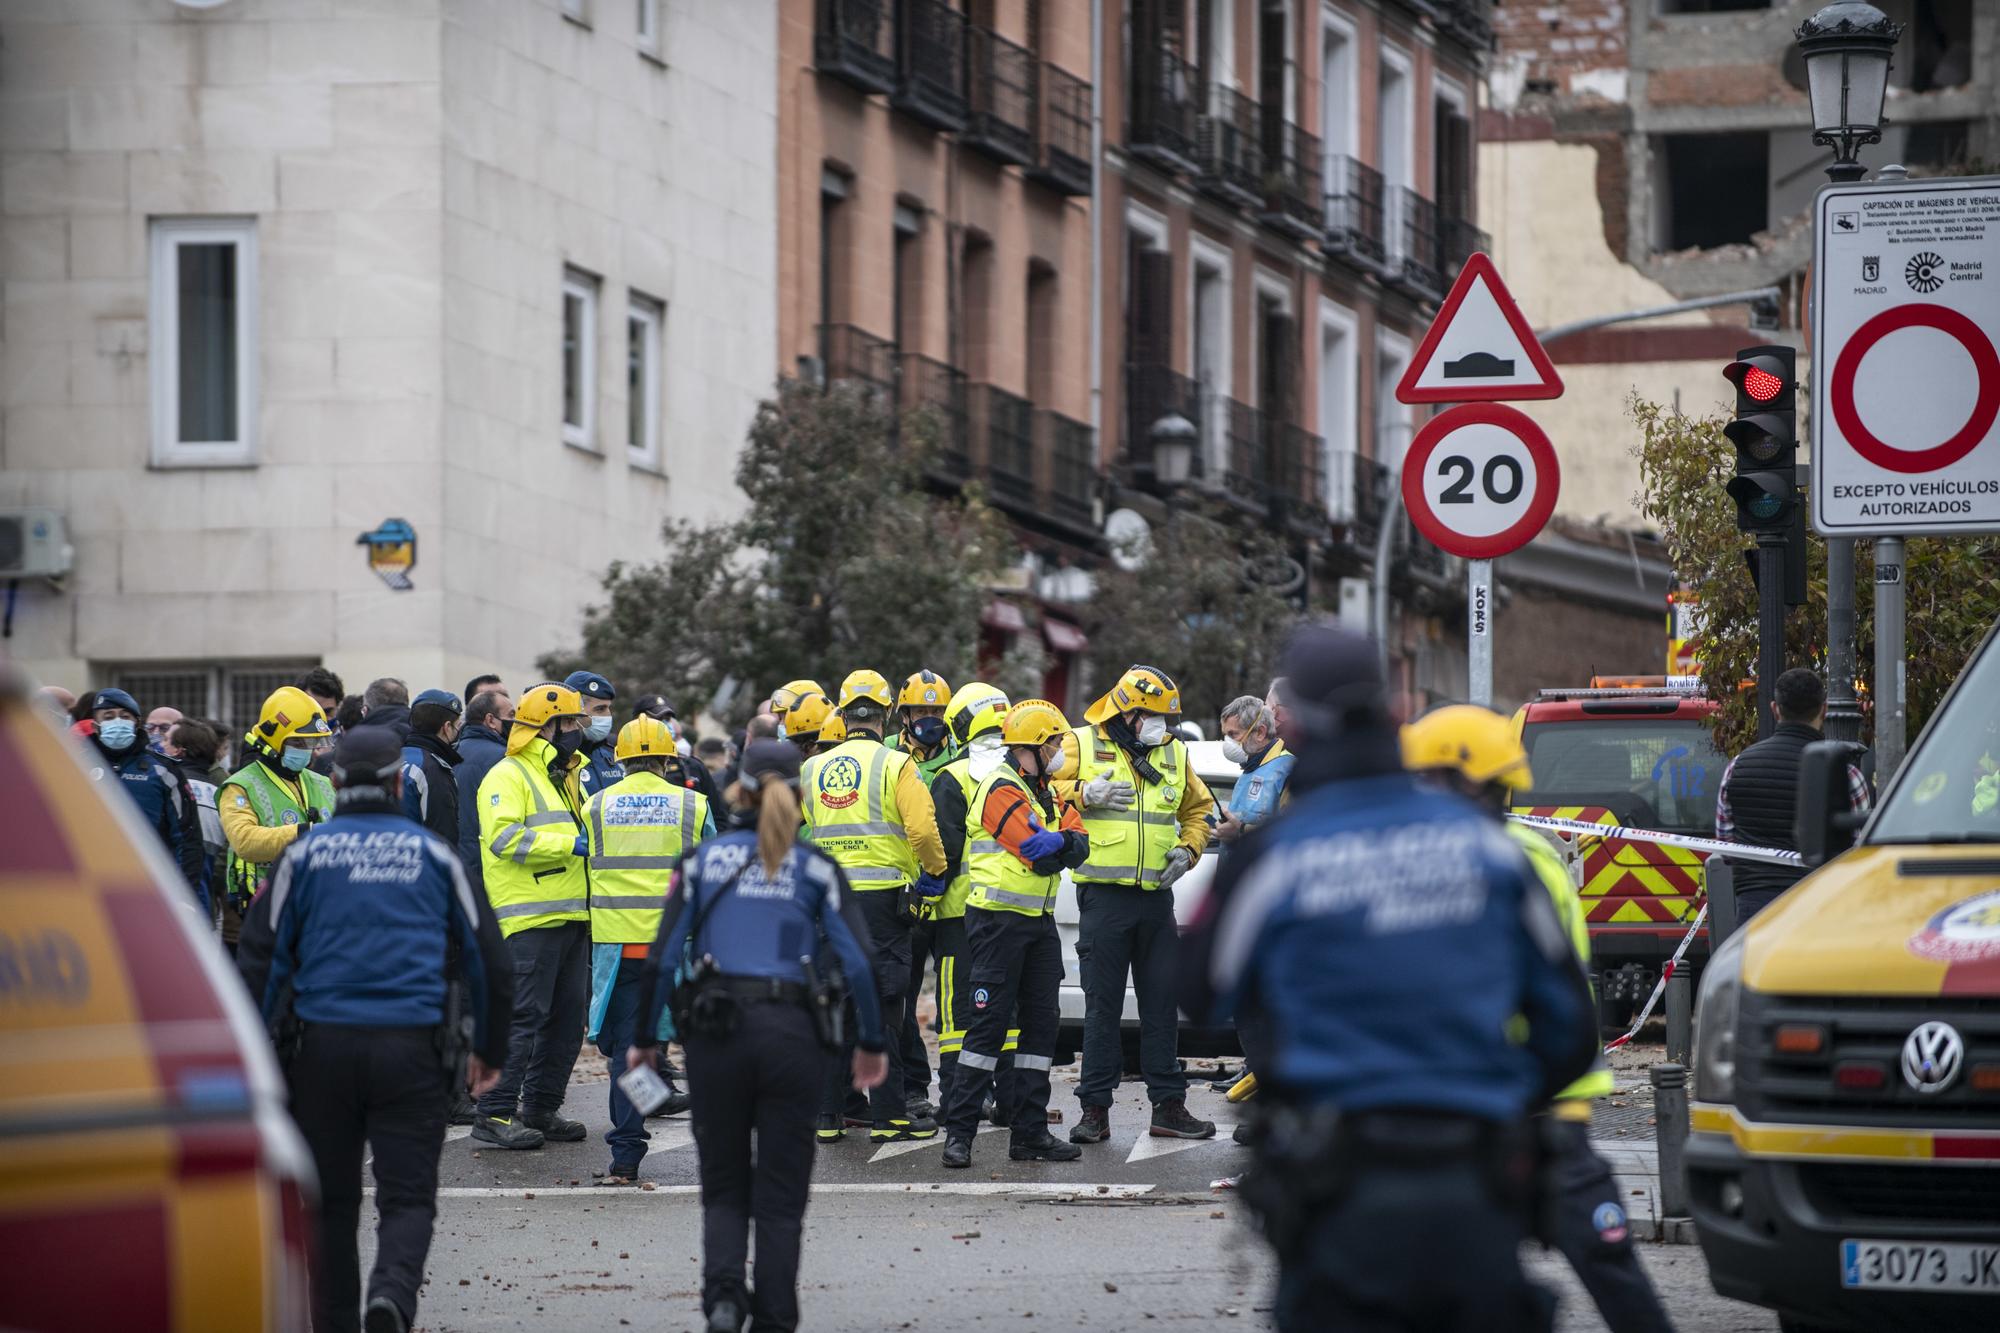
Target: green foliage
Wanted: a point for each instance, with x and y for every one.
(1954, 584)
(841, 561)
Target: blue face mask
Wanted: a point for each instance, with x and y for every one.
(296, 758)
(118, 733)
(597, 728)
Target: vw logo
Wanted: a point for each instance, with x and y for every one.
(1932, 1055)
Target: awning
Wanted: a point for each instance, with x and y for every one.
(1003, 616)
(1063, 636)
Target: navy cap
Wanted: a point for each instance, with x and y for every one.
(364, 756)
(447, 699)
(654, 706)
(768, 759)
(590, 685)
(1333, 680)
(114, 698)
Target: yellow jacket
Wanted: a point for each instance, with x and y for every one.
(914, 804)
(1196, 803)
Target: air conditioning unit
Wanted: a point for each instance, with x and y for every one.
(1355, 595)
(34, 544)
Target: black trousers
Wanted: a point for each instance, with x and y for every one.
(1594, 1234)
(1421, 1249)
(954, 972)
(1123, 929)
(551, 1005)
(889, 946)
(916, 1056)
(1014, 964)
(765, 1078)
(382, 1088)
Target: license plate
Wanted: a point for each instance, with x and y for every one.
(1911, 1266)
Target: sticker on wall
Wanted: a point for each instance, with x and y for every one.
(392, 552)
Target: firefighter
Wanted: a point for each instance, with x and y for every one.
(806, 721)
(923, 735)
(867, 807)
(1476, 753)
(974, 716)
(266, 804)
(1026, 840)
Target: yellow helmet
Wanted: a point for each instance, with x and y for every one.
(925, 689)
(832, 731)
(1033, 722)
(866, 684)
(1145, 688)
(645, 738)
(788, 694)
(289, 712)
(544, 703)
(807, 717)
(1473, 741)
(976, 709)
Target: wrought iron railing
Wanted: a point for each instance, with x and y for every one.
(1062, 160)
(927, 384)
(855, 40)
(1299, 475)
(1005, 423)
(1001, 79)
(1152, 394)
(1354, 211)
(931, 81)
(1417, 226)
(1292, 187)
(852, 355)
(1458, 241)
(1230, 150)
(1248, 473)
(1165, 104)
(1071, 450)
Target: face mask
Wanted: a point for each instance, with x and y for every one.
(568, 743)
(297, 757)
(987, 753)
(118, 733)
(1234, 752)
(928, 732)
(597, 728)
(1152, 730)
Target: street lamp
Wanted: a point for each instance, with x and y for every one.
(1173, 437)
(1846, 48)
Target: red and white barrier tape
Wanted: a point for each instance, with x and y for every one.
(1735, 851)
(1660, 987)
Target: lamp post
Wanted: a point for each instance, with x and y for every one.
(1173, 437)
(1847, 47)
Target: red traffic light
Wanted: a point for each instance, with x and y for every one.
(1762, 377)
(1762, 384)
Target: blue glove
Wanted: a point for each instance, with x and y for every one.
(582, 847)
(929, 885)
(1046, 842)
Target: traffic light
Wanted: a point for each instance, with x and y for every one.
(1766, 435)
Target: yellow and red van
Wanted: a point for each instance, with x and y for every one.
(149, 1175)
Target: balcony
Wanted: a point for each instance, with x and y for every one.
(1165, 93)
(932, 83)
(1229, 151)
(852, 355)
(1292, 188)
(1468, 20)
(1419, 264)
(1364, 496)
(1247, 472)
(1354, 214)
(1458, 241)
(929, 385)
(855, 41)
(1071, 450)
(1299, 476)
(1152, 393)
(1062, 160)
(1005, 423)
(1001, 79)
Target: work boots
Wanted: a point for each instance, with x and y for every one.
(958, 1153)
(1046, 1148)
(1094, 1127)
(896, 1131)
(506, 1132)
(830, 1129)
(1172, 1121)
(558, 1130)
(676, 1102)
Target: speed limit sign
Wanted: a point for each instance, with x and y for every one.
(1480, 480)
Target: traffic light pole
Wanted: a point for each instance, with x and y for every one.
(1770, 626)
(1891, 703)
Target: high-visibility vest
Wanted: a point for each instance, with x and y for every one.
(639, 827)
(274, 803)
(528, 829)
(1000, 881)
(1554, 876)
(951, 903)
(849, 796)
(1131, 846)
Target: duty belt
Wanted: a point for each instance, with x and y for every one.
(765, 990)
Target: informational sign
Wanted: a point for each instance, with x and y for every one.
(1905, 375)
(1479, 349)
(392, 552)
(1480, 480)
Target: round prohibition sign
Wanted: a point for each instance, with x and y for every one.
(1985, 405)
(1480, 480)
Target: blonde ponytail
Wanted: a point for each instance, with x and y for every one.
(777, 824)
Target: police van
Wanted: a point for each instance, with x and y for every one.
(1844, 1164)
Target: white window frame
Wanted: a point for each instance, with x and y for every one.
(1403, 170)
(582, 434)
(1339, 406)
(166, 236)
(1148, 223)
(646, 25)
(1339, 117)
(1395, 421)
(1206, 255)
(651, 315)
(1266, 283)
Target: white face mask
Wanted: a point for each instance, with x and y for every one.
(1152, 730)
(1234, 752)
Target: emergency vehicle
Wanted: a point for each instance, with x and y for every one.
(1844, 1164)
(1633, 752)
(149, 1174)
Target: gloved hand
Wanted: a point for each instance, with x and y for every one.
(1047, 842)
(929, 885)
(582, 847)
(1178, 861)
(1104, 793)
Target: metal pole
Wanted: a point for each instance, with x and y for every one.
(1749, 296)
(1891, 704)
(1479, 631)
(1843, 710)
(1770, 626)
(1680, 1015)
(1670, 1131)
(1385, 545)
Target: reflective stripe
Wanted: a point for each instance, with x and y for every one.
(1159, 817)
(978, 1061)
(1033, 902)
(538, 909)
(534, 790)
(857, 831)
(543, 818)
(634, 862)
(1032, 1061)
(872, 784)
(876, 875)
(629, 900)
(985, 845)
(1116, 874)
(506, 835)
(1013, 1040)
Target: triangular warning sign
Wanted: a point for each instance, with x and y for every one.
(1479, 349)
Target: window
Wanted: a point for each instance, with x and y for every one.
(1339, 108)
(1209, 324)
(647, 26)
(1711, 189)
(204, 341)
(233, 695)
(645, 323)
(907, 275)
(1395, 109)
(1393, 424)
(579, 359)
(1338, 412)
(1451, 151)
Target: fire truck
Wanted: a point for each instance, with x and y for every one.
(1633, 752)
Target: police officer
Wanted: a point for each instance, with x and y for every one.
(153, 783)
(1475, 752)
(1147, 816)
(1397, 1132)
(349, 947)
(639, 828)
(742, 905)
(866, 806)
(600, 767)
(924, 736)
(532, 856)
(430, 794)
(273, 798)
(1014, 956)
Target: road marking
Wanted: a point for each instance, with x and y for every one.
(1045, 1189)
(1148, 1147)
(888, 1150)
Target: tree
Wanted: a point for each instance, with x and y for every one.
(841, 561)
(1953, 584)
(1202, 607)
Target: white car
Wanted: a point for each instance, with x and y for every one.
(1190, 892)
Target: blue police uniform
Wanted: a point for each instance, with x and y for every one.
(1261, 786)
(352, 939)
(600, 760)
(165, 805)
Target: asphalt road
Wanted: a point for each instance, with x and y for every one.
(1130, 1237)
